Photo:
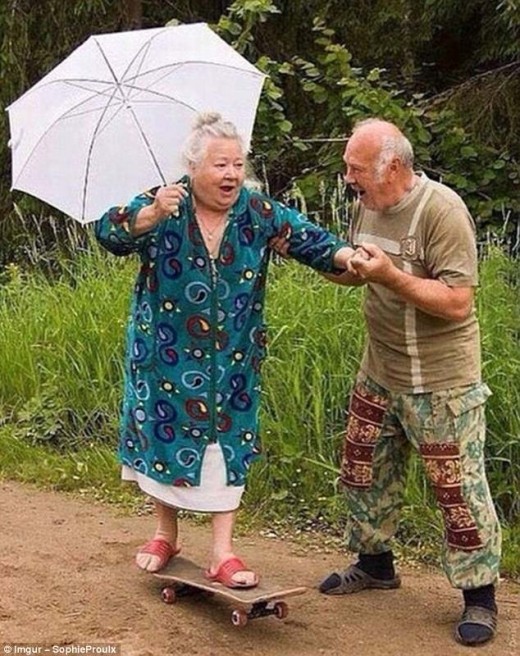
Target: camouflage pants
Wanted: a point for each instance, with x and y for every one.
(447, 428)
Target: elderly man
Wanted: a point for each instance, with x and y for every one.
(419, 383)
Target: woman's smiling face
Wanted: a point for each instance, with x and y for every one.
(218, 178)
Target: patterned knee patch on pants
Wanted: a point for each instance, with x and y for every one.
(442, 463)
(366, 414)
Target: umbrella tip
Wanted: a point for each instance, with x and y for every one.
(14, 141)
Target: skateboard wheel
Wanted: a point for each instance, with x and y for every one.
(239, 618)
(168, 595)
(281, 610)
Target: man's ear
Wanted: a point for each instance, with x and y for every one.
(395, 165)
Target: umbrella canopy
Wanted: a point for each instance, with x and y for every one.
(111, 119)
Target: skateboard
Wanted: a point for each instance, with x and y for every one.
(184, 577)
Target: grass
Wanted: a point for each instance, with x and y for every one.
(62, 340)
(92, 470)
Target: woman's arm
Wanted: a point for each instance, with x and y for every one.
(126, 229)
(294, 235)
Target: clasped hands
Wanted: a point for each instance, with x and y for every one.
(370, 263)
(366, 263)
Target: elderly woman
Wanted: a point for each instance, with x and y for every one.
(196, 337)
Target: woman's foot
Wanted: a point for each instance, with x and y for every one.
(155, 554)
(232, 572)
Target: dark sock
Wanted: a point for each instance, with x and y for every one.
(483, 597)
(380, 566)
(471, 633)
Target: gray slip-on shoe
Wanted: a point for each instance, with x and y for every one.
(354, 579)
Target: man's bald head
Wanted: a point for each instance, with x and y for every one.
(385, 140)
(379, 160)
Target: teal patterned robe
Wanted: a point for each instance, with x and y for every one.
(196, 335)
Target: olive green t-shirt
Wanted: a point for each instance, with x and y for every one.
(429, 234)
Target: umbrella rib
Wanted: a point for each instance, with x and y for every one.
(89, 154)
(72, 80)
(131, 81)
(194, 61)
(111, 96)
(126, 86)
(142, 51)
(75, 83)
(146, 46)
(118, 86)
(50, 127)
(160, 94)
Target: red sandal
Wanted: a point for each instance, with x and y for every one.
(227, 569)
(160, 548)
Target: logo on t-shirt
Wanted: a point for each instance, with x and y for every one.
(409, 248)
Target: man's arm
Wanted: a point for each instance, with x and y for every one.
(345, 278)
(431, 296)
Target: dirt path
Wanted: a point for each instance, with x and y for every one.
(67, 578)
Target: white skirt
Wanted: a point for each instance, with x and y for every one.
(212, 495)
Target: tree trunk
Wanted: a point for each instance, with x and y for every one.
(133, 14)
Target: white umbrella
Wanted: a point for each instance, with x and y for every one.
(111, 119)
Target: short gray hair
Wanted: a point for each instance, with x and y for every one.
(208, 125)
(397, 146)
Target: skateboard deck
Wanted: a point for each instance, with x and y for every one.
(186, 577)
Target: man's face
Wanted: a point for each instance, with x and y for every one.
(217, 180)
(373, 187)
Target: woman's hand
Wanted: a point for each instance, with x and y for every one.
(166, 202)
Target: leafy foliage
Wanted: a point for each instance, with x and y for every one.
(318, 87)
(333, 94)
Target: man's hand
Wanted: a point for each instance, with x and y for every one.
(280, 245)
(371, 264)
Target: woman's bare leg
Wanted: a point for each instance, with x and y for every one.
(167, 529)
(222, 548)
